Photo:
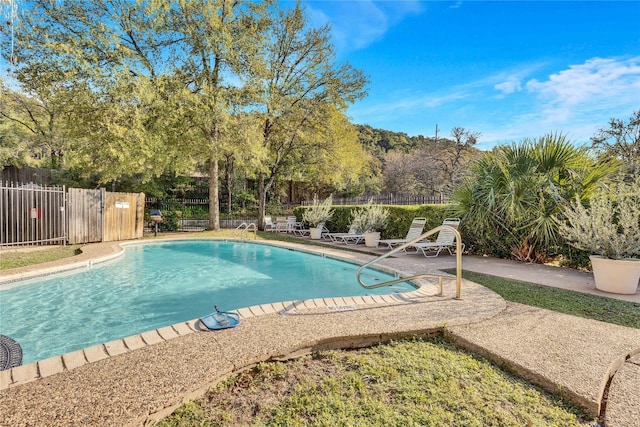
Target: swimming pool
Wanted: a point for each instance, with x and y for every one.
(160, 284)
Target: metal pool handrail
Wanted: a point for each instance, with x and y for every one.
(243, 228)
(419, 276)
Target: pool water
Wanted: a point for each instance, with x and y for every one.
(160, 284)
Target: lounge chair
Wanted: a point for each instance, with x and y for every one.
(446, 240)
(269, 225)
(306, 232)
(282, 224)
(325, 233)
(415, 230)
(352, 237)
(299, 230)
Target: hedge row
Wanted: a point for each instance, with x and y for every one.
(399, 219)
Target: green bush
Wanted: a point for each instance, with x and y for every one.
(513, 198)
(170, 222)
(398, 223)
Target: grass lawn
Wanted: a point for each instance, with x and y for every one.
(403, 383)
(16, 258)
(609, 310)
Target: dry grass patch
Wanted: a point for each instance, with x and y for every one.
(413, 382)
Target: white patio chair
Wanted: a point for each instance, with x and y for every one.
(446, 240)
(352, 237)
(415, 230)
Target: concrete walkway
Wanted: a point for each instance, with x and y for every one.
(144, 377)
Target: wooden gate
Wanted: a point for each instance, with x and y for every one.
(84, 215)
(123, 216)
(101, 216)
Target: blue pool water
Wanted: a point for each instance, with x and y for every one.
(156, 285)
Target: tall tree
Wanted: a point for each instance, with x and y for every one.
(298, 88)
(31, 128)
(155, 82)
(450, 156)
(621, 141)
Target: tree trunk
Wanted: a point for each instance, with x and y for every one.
(262, 202)
(264, 185)
(214, 203)
(229, 178)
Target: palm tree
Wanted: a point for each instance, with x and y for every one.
(513, 199)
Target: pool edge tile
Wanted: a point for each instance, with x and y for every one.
(151, 337)
(5, 379)
(74, 359)
(278, 306)
(358, 300)
(340, 301)
(24, 374)
(268, 309)
(95, 353)
(183, 328)
(308, 303)
(134, 342)
(50, 366)
(167, 332)
(319, 302)
(193, 325)
(256, 310)
(327, 302)
(245, 312)
(115, 347)
(349, 301)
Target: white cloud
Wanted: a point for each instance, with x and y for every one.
(357, 24)
(510, 105)
(508, 87)
(576, 101)
(598, 83)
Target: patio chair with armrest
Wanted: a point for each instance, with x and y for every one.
(415, 230)
(352, 237)
(446, 240)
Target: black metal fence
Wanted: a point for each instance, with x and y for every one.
(390, 199)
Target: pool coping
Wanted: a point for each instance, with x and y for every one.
(44, 368)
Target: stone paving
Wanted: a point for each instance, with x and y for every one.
(144, 377)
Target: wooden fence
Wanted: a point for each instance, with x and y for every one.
(102, 216)
(123, 216)
(34, 215)
(85, 215)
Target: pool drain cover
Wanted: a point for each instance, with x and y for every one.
(10, 353)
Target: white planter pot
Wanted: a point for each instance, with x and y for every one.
(618, 276)
(371, 239)
(315, 233)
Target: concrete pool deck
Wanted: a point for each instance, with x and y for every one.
(130, 381)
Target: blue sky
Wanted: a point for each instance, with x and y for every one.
(507, 69)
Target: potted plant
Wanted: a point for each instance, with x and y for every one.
(609, 228)
(316, 215)
(370, 220)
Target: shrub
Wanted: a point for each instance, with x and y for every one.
(370, 217)
(512, 201)
(318, 213)
(400, 217)
(609, 226)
